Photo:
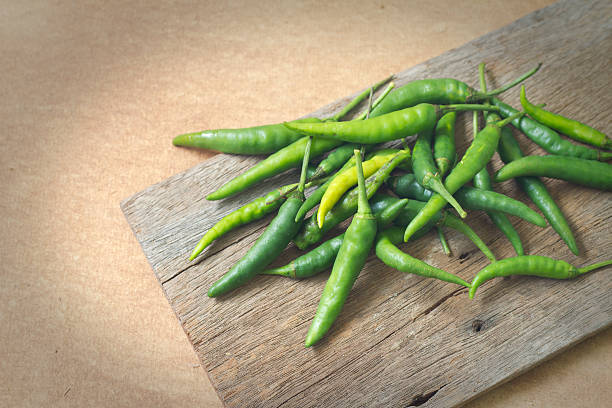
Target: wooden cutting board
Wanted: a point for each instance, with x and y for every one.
(401, 340)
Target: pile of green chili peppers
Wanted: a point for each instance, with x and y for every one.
(395, 196)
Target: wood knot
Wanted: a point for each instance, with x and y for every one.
(478, 325)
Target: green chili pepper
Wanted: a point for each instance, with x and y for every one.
(413, 208)
(285, 159)
(271, 242)
(574, 129)
(323, 256)
(258, 139)
(438, 91)
(548, 139)
(531, 265)
(470, 198)
(252, 211)
(312, 263)
(356, 245)
(444, 143)
(391, 255)
(391, 126)
(482, 180)
(267, 247)
(426, 172)
(475, 158)
(310, 233)
(588, 173)
(254, 140)
(487, 200)
(509, 150)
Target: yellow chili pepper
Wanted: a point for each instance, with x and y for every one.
(348, 179)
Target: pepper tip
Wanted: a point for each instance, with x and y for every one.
(182, 140)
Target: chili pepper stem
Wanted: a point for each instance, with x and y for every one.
(590, 268)
(509, 119)
(443, 241)
(478, 96)
(481, 79)
(351, 258)
(285, 190)
(304, 166)
(455, 223)
(357, 100)
(378, 100)
(362, 198)
(439, 188)
(466, 107)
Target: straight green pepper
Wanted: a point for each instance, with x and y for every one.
(385, 128)
(259, 139)
(351, 258)
(571, 128)
(588, 173)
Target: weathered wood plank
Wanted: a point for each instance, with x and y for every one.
(400, 340)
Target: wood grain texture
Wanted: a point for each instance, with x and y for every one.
(400, 340)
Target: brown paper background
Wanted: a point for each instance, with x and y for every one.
(91, 95)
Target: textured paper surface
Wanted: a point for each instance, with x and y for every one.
(93, 93)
